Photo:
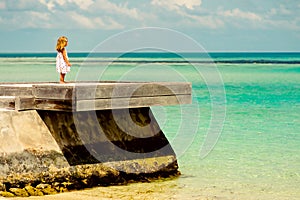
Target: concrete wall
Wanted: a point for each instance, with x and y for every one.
(73, 150)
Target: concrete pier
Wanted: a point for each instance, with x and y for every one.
(59, 137)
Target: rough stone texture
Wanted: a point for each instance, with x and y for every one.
(55, 180)
(33, 191)
(47, 152)
(6, 194)
(19, 192)
(46, 188)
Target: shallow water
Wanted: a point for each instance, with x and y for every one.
(257, 154)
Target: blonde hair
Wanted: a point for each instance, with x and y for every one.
(61, 43)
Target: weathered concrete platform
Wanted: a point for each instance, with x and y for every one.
(92, 96)
(58, 137)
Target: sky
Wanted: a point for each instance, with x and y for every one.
(217, 25)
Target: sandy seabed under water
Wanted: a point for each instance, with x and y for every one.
(163, 189)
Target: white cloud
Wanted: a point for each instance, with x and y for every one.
(176, 4)
(112, 24)
(118, 14)
(282, 17)
(111, 8)
(283, 10)
(206, 21)
(50, 4)
(42, 22)
(188, 13)
(39, 15)
(280, 11)
(67, 14)
(21, 14)
(82, 4)
(237, 13)
(277, 17)
(94, 23)
(82, 20)
(53, 4)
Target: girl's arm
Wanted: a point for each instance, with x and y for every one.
(66, 57)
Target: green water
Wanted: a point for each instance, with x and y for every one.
(257, 154)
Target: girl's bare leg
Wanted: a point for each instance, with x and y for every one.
(62, 78)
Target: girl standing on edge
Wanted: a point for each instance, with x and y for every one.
(62, 61)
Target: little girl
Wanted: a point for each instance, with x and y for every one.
(62, 61)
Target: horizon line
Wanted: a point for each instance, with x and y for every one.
(71, 52)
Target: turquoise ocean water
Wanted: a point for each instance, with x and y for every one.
(257, 150)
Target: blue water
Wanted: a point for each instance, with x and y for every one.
(252, 149)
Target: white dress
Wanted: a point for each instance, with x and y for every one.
(61, 65)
